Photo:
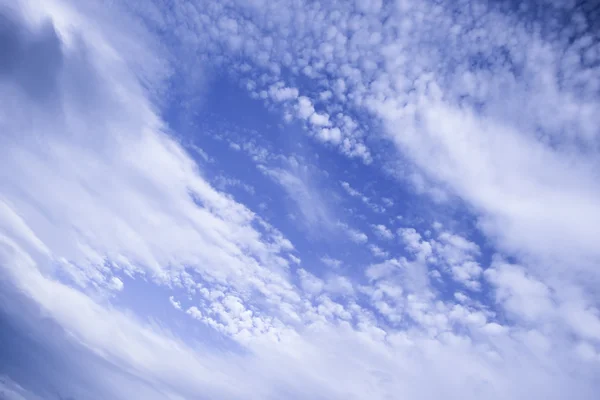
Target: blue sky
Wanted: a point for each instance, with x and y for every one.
(299, 199)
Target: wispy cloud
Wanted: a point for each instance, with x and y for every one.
(309, 200)
(365, 199)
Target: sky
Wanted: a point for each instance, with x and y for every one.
(252, 199)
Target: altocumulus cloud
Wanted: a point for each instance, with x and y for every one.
(131, 268)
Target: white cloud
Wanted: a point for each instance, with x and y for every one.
(459, 255)
(365, 199)
(339, 285)
(176, 304)
(305, 107)
(194, 312)
(350, 190)
(331, 262)
(415, 243)
(461, 297)
(467, 273)
(282, 93)
(319, 119)
(294, 259)
(325, 95)
(10, 390)
(310, 283)
(521, 295)
(201, 153)
(332, 135)
(353, 234)
(224, 183)
(297, 183)
(116, 284)
(383, 232)
(378, 251)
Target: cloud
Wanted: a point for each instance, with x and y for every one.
(378, 251)
(281, 93)
(97, 193)
(458, 122)
(383, 232)
(331, 262)
(310, 283)
(176, 304)
(305, 107)
(300, 188)
(319, 120)
(224, 183)
(353, 234)
(350, 190)
(387, 201)
(526, 297)
(357, 236)
(11, 390)
(332, 135)
(115, 336)
(365, 199)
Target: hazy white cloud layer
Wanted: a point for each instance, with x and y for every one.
(135, 271)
